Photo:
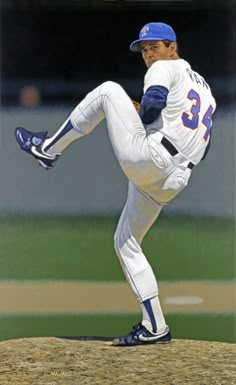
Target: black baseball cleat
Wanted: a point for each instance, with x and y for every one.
(32, 142)
(139, 335)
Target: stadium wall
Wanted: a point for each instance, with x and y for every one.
(88, 179)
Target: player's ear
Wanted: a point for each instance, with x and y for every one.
(173, 49)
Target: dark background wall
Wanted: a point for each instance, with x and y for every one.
(49, 43)
(65, 49)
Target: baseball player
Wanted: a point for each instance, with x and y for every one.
(157, 148)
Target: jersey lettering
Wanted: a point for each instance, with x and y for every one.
(206, 120)
(196, 78)
(192, 121)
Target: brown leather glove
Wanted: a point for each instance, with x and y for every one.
(136, 105)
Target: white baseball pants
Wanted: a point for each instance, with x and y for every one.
(154, 178)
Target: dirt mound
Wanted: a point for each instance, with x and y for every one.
(53, 361)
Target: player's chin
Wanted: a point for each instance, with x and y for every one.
(150, 63)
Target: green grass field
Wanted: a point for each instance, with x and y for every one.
(81, 248)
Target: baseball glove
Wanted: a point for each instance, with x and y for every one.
(136, 105)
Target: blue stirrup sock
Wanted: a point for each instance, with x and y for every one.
(153, 318)
(62, 138)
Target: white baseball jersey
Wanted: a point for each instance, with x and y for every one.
(186, 119)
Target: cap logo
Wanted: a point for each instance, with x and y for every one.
(144, 31)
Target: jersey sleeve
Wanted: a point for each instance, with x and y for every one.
(152, 103)
(161, 73)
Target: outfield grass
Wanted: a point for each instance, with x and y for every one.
(199, 327)
(82, 248)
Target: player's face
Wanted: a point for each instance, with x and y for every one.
(156, 50)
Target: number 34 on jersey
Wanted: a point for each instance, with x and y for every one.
(191, 120)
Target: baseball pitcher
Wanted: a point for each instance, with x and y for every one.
(157, 143)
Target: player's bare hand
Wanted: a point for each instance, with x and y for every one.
(136, 105)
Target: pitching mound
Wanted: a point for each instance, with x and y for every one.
(52, 361)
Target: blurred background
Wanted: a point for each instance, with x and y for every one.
(52, 54)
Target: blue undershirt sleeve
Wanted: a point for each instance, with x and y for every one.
(152, 102)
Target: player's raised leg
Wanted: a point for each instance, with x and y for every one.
(125, 128)
(138, 215)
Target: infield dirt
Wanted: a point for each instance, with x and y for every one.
(28, 297)
(52, 361)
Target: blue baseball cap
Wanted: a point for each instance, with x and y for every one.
(153, 31)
